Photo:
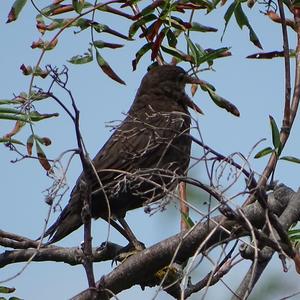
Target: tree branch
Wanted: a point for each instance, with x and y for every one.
(139, 269)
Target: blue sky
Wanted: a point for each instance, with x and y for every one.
(255, 87)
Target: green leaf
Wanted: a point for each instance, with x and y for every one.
(82, 59)
(275, 135)
(263, 152)
(140, 54)
(202, 28)
(107, 69)
(194, 50)
(171, 37)
(137, 24)
(15, 10)
(242, 20)
(210, 56)
(6, 290)
(187, 219)
(291, 159)
(78, 5)
(12, 141)
(228, 15)
(223, 103)
(177, 53)
(101, 44)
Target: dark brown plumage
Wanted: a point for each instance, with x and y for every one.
(141, 161)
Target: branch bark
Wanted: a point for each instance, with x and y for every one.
(139, 269)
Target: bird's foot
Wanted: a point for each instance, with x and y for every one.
(128, 251)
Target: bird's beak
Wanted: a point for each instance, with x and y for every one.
(189, 102)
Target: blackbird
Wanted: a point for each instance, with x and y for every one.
(145, 156)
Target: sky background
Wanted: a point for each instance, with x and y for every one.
(255, 87)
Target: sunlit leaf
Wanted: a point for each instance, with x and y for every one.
(177, 53)
(15, 10)
(6, 290)
(275, 135)
(107, 69)
(82, 59)
(263, 152)
(291, 159)
(223, 103)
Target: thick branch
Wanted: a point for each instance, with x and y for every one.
(71, 256)
(139, 268)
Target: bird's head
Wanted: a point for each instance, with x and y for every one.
(169, 79)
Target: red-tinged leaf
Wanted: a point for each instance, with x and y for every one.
(37, 71)
(42, 157)
(194, 89)
(18, 126)
(107, 69)
(15, 10)
(26, 70)
(291, 159)
(101, 44)
(156, 45)
(45, 45)
(155, 29)
(29, 144)
(263, 152)
(271, 54)
(140, 53)
(296, 259)
(43, 140)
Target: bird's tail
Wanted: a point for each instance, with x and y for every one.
(68, 221)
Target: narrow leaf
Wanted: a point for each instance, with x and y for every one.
(291, 159)
(12, 141)
(29, 144)
(140, 54)
(42, 157)
(101, 44)
(275, 133)
(15, 10)
(202, 28)
(263, 152)
(107, 69)
(223, 103)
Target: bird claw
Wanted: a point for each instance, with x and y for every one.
(128, 251)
